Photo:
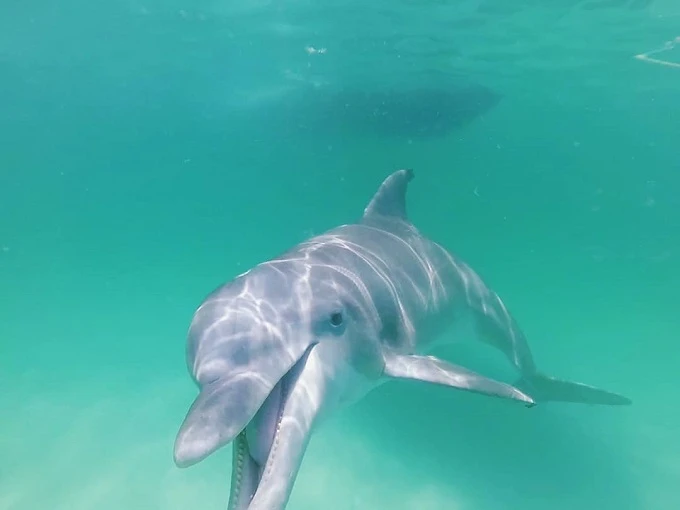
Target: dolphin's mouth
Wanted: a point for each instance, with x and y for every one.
(255, 448)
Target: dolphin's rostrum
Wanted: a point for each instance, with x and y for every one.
(281, 346)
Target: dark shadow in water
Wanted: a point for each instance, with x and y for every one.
(497, 455)
(417, 113)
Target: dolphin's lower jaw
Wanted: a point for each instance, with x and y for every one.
(267, 454)
(256, 444)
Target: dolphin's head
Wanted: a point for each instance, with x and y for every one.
(270, 351)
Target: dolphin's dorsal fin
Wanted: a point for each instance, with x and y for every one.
(390, 199)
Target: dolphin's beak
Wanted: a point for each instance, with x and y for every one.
(249, 370)
(268, 486)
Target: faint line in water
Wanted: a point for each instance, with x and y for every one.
(668, 45)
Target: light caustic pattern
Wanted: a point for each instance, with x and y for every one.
(668, 46)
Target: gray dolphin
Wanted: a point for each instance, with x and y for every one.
(281, 346)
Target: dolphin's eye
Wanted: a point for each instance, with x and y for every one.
(336, 319)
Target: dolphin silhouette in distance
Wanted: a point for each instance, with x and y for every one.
(284, 344)
(407, 113)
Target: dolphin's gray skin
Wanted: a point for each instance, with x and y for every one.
(286, 343)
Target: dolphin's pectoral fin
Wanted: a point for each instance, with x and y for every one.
(390, 199)
(433, 370)
(543, 389)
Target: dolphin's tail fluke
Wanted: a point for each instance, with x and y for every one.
(543, 388)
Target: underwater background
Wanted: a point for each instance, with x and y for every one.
(150, 151)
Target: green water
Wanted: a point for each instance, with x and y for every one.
(143, 162)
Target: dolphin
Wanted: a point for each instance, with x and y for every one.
(280, 347)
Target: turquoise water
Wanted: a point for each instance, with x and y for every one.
(150, 151)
